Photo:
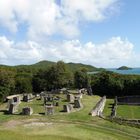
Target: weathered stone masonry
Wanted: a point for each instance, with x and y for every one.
(98, 109)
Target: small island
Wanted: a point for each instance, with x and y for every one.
(124, 68)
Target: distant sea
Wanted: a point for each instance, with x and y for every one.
(131, 71)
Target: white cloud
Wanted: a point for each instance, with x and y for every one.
(45, 17)
(114, 52)
(92, 10)
(18, 53)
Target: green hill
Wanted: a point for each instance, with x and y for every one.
(124, 68)
(76, 66)
(45, 64)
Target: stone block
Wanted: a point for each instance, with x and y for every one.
(77, 103)
(49, 110)
(13, 108)
(70, 98)
(27, 111)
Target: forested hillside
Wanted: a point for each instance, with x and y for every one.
(44, 75)
(47, 75)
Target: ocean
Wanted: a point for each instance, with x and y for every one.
(132, 71)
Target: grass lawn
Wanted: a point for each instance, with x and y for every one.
(108, 106)
(77, 125)
(128, 111)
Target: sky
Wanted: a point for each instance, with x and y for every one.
(102, 33)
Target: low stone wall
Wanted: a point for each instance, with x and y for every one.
(98, 109)
(130, 122)
(114, 108)
(130, 100)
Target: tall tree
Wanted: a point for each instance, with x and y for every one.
(59, 76)
(23, 85)
(7, 82)
(81, 79)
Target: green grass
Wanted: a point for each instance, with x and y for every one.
(63, 131)
(5, 135)
(123, 111)
(64, 126)
(128, 111)
(107, 109)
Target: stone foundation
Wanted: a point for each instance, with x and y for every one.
(98, 109)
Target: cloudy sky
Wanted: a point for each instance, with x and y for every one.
(103, 33)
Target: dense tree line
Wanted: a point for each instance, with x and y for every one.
(58, 75)
(24, 80)
(7, 82)
(113, 84)
(55, 77)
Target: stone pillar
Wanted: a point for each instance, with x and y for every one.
(70, 98)
(77, 103)
(89, 91)
(49, 110)
(12, 108)
(66, 108)
(10, 101)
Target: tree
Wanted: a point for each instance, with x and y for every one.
(81, 79)
(39, 81)
(7, 82)
(23, 85)
(55, 77)
(59, 76)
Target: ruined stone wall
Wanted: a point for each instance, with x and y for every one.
(98, 109)
(114, 108)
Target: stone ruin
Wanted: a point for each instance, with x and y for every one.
(48, 98)
(13, 108)
(49, 110)
(55, 103)
(98, 109)
(89, 91)
(51, 100)
(27, 111)
(77, 103)
(56, 100)
(79, 96)
(67, 108)
(27, 97)
(126, 100)
(83, 91)
(114, 108)
(70, 98)
(64, 91)
(55, 91)
(14, 99)
(42, 95)
(13, 102)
